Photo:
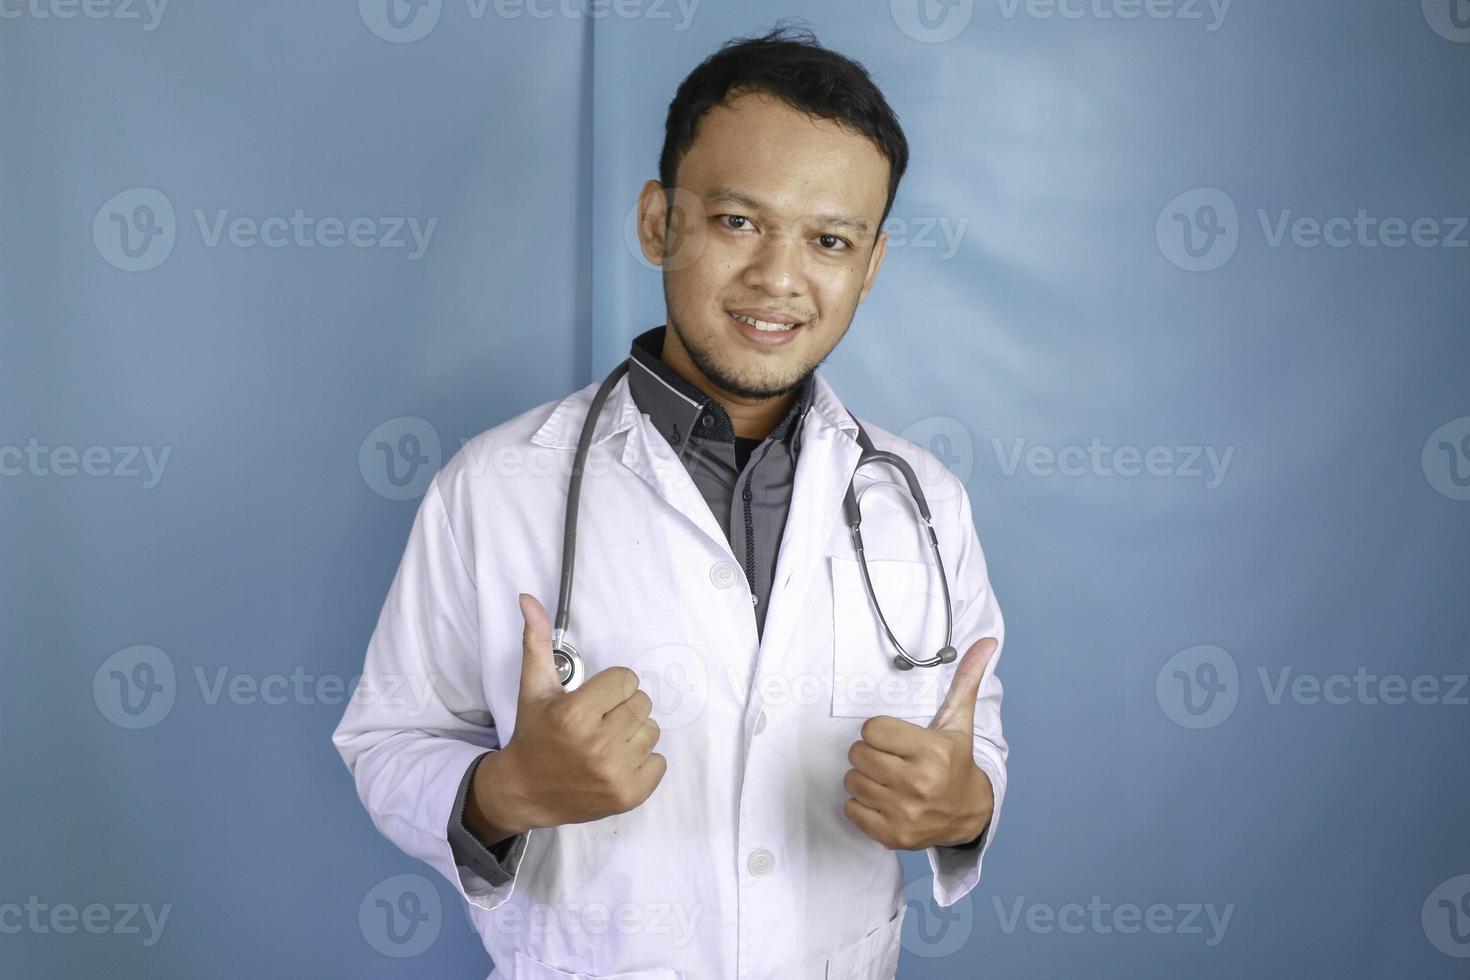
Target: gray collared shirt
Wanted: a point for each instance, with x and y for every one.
(747, 484)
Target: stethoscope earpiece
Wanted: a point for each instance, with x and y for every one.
(946, 655)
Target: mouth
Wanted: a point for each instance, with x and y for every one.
(768, 333)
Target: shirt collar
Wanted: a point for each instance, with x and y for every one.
(677, 407)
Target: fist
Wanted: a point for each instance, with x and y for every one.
(914, 787)
(582, 755)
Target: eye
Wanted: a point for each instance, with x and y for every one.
(834, 242)
(726, 219)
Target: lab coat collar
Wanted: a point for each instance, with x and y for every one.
(824, 469)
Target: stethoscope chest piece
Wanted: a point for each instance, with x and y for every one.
(570, 670)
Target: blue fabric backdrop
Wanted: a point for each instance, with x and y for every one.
(1189, 285)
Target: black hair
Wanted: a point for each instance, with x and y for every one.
(791, 65)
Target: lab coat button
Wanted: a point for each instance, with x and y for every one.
(723, 574)
(760, 722)
(760, 862)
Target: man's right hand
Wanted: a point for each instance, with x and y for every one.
(574, 756)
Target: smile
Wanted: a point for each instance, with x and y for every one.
(765, 324)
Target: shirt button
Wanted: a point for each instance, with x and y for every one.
(760, 722)
(760, 862)
(707, 421)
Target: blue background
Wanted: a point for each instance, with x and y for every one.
(1054, 148)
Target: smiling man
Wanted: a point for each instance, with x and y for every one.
(724, 610)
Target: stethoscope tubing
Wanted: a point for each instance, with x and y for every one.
(570, 667)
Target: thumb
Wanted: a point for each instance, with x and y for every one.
(538, 669)
(957, 713)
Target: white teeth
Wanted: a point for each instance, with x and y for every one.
(762, 324)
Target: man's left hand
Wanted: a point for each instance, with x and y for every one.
(914, 787)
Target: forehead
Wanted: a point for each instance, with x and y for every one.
(788, 161)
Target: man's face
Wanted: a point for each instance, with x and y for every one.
(774, 213)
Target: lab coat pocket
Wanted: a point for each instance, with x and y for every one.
(865, 681)
(530, 968)
(874, 957)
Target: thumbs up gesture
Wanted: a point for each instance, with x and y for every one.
(573, 757)
(914, 787)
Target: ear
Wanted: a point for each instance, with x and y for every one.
(652, 216)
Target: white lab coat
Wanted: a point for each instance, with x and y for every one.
(741, 863)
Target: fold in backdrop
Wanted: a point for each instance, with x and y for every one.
(1182, 292)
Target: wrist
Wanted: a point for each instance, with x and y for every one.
(978, 812)
(494, 807)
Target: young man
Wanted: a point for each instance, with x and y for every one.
(715, 570)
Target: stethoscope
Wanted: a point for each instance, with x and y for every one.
(571, 670)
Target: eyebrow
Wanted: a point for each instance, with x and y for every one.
(857, 224)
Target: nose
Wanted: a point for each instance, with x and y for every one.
(776, 267)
